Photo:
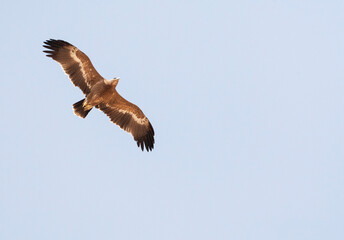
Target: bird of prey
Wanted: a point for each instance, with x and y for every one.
(100, 93)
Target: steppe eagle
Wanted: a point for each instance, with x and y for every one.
(100, 93)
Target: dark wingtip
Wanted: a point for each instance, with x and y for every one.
(57, 42)
(147, 141)
(54, 45)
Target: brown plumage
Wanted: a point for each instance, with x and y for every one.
(100, 93)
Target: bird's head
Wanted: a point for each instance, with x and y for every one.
(115, 81)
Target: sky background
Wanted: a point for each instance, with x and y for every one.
(246, 99)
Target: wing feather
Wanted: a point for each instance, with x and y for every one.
(130, 118)
(74, 62)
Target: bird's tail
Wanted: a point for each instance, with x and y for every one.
(80, 110)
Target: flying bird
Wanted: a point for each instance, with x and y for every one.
(100, 93)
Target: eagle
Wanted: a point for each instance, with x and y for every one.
(100, 93)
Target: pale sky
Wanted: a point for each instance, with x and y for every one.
(246, 99)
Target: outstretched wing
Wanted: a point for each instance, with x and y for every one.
(130, 118)
(74, 62)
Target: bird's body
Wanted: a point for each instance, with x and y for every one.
(100, 93)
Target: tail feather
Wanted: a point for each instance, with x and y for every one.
(79, 109)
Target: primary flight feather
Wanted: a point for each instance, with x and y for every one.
(100, 93)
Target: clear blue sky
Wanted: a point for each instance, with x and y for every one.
(246, 98)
